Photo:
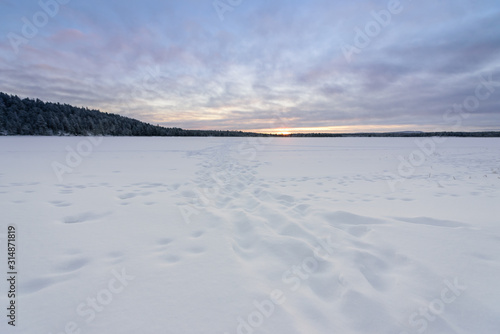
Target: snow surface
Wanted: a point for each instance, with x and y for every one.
(252, 235)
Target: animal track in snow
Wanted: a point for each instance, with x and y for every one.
(85, 217)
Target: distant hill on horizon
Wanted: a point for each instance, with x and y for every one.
(33, 117)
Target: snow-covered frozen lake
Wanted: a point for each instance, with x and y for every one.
(251, 235)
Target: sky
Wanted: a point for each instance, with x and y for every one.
(268, 66)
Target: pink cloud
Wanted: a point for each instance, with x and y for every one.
(67, 35)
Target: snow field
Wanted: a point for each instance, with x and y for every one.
(249, 235)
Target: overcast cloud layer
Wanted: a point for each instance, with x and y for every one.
(255, 65)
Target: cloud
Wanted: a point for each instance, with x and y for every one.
(176, 63)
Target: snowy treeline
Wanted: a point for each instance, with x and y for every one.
(35, 117)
